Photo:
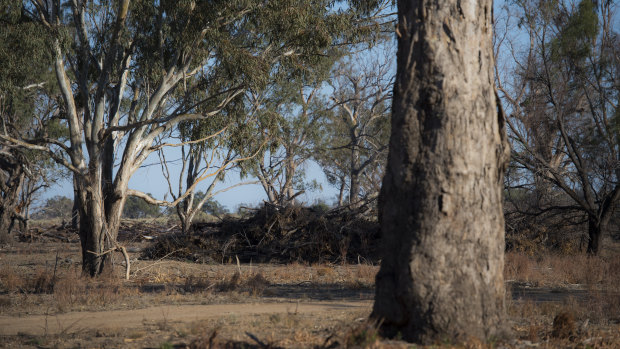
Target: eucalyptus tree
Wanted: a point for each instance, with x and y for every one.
(290, 114)
(138, 208)
(293, 109)
(24, 77)
(562, 96)
(209, 149)
(440, 206)
(280, 118)
(356, 134)
(130, 71)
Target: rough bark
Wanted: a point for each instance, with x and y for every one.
(595, 232)
(354, 192)
(441, 200)
(5, 224)
(11, 179)
(99, 220)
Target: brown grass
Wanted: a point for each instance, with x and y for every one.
(559, 270)
(31, 287)
(10, 280)
(73, 290)
(365, 335)
(562, 325)
(68, 289)
(197, 284)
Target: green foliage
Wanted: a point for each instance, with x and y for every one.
(577, 34)
(249, 46)
(26, 81)
(26, 60)
(516, 194)
(138, 208)
(563, 109)
(213, 207)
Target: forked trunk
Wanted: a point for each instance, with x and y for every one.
(441, 275)
(98, 226)
(92, 239)
(185, 227)
(186, 216)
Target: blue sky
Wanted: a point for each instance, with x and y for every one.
(149, 179)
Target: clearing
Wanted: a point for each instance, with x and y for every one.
(44, 302)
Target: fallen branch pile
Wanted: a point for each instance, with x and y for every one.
(277, 234)
(60, 233)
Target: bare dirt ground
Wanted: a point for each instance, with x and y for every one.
(76, 322)
(45, 303)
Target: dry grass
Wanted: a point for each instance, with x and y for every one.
(67, 288)
(288, 330)
(569, 324)
(10, 280)
(73, 291)
(163, 282)
(559, 270)
(27, 284)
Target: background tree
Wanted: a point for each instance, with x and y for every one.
(295, 110)
(440, 208)
(42, 175)
(138, 208)
(209, 150)
(290, 111)
(355, 137)
(56, 207)
(562, 96)
(214, 208)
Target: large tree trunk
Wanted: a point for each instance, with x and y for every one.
(99, 220)
(441, 201)
(91, 230)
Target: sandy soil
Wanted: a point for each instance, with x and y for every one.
(75, 322)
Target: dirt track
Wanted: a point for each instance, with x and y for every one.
(83, 321)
